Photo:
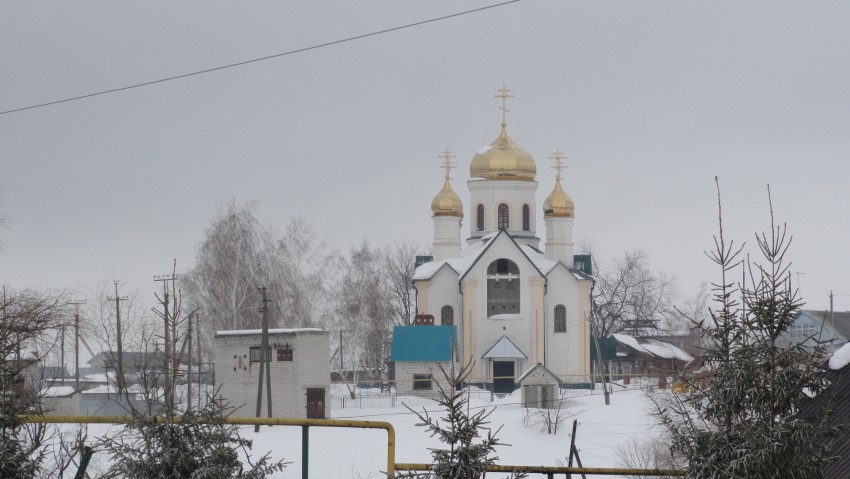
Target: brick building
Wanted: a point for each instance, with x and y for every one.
(299, 365)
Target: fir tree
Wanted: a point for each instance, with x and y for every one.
(470, 444)
(194, 444)
(741, 422)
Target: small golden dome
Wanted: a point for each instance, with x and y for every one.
(447, 202)
(558, 204)
(503, 160)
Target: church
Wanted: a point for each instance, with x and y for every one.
(510, 304)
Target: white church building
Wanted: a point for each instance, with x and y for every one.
(514, 304)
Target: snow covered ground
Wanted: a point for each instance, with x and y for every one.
(337, 453)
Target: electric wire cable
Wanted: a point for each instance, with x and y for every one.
(260, 59)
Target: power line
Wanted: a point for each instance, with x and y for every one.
(254, 60)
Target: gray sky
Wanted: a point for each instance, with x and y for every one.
(649, 101)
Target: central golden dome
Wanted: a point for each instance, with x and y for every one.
(503, 160)
(447, 202)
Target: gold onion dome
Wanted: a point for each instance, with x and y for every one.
(447, 202)
(503, 160)
(558, 204)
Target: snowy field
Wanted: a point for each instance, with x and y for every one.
(337, 453)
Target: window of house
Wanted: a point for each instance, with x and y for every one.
(422, 382)
(447, 315)
(504, 215)
(479, 218)
(802, 331)
(254, 354)
(284, 353)
(503, 290)
(526, 218)
(560, 319)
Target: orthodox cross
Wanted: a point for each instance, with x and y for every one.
(447, 162)
(559, 163)
(503, 94)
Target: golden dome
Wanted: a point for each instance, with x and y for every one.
(558, 204)
(503, 160)
(447, 202)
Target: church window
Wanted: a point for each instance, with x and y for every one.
(560, 319)
(504, 222)
(447, 315)
(526, 220)
(479, 218)
(503, 292)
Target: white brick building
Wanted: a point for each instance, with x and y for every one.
(300, 372)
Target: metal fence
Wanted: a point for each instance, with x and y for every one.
(374, 399)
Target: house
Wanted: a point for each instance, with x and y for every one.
(836, 400)
(55, 375)
(418, 354)
(514, 304)
(645, 356)
(539, 388)
(140, 367)
(831, 328)
(299, 370)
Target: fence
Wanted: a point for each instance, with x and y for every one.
(372, 398)
(391, 467)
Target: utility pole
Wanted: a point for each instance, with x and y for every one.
(189, 367)
(77, 304)
(120, 360)
(167, 331)
(198, 337)
(831, 317)
(264, 368)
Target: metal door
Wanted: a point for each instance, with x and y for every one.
(315, 403)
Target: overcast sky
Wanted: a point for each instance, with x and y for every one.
(649, 100)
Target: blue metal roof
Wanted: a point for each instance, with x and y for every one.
(423, 343)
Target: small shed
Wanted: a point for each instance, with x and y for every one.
(418, 352)
(60, 401)
(539, 387)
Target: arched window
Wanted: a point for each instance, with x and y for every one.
(526, 220)
(560, 319)
(447, 315)
(504, 222)
(502, 288)
(479, 218)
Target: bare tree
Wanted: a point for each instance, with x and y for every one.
(363, 313)
(398, 267)
(297, 265)
(629, 296)
(28, 323)
(228, 268)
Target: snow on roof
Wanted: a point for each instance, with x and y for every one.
(653, 347)
(460, 265)
(247, 332)
(484, 149)
(57, 391)
(112, 389)
(539, 259)
(840, 358)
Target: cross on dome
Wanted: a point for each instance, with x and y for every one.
(559, 163)
(503, 94)
(447, 162)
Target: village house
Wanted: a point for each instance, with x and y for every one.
(299, 370)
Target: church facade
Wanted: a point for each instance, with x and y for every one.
(514, 305)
